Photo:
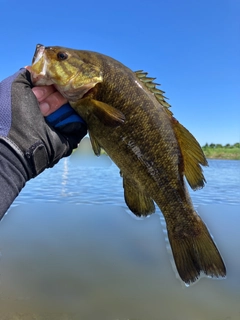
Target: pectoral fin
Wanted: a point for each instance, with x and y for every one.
(105, 113)
(192, 154)
(136, 200)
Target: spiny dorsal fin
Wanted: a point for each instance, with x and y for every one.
(192, 154)
(151, 86)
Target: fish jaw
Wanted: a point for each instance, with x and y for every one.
(38, 53)
(39, 67)
(71, 77)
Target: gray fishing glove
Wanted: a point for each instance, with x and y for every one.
(23, 129)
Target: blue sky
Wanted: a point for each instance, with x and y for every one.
(191, 47)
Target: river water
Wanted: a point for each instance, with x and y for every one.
(70, 249)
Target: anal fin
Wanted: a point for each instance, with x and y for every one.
(137, 201)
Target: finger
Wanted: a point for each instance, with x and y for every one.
(53, 102)
(43, 92)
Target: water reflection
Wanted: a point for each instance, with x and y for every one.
(96, 262)
(68, 182)
(64, 181)
(79, 255)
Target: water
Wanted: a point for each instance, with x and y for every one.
(71, 250)
(71, 183)
(223, 184)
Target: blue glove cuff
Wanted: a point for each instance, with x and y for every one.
(63, 116)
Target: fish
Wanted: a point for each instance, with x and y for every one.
(129, 118)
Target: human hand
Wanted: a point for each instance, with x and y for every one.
(49, 99)
(24, 129)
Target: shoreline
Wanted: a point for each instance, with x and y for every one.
(214, 158)
(222, 153)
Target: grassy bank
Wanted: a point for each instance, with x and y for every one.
(217, 151)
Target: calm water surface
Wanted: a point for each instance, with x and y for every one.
(70, 251)
(68, 182)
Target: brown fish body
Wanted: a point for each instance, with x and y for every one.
(152, 150)
(150, 144)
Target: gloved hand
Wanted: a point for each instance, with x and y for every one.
(36, 143)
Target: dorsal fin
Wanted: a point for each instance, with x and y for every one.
(192, 153)
(151, 86)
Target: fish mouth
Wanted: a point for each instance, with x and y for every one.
(38, 53)
(39, 67)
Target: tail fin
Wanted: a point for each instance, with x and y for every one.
(196, 254)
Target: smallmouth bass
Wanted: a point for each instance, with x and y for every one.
(128, 117)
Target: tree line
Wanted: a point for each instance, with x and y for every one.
(218, 145)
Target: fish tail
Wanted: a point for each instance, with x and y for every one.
(195, 252)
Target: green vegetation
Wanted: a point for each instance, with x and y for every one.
(218, 151)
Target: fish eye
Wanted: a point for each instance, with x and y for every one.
(62, 55)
